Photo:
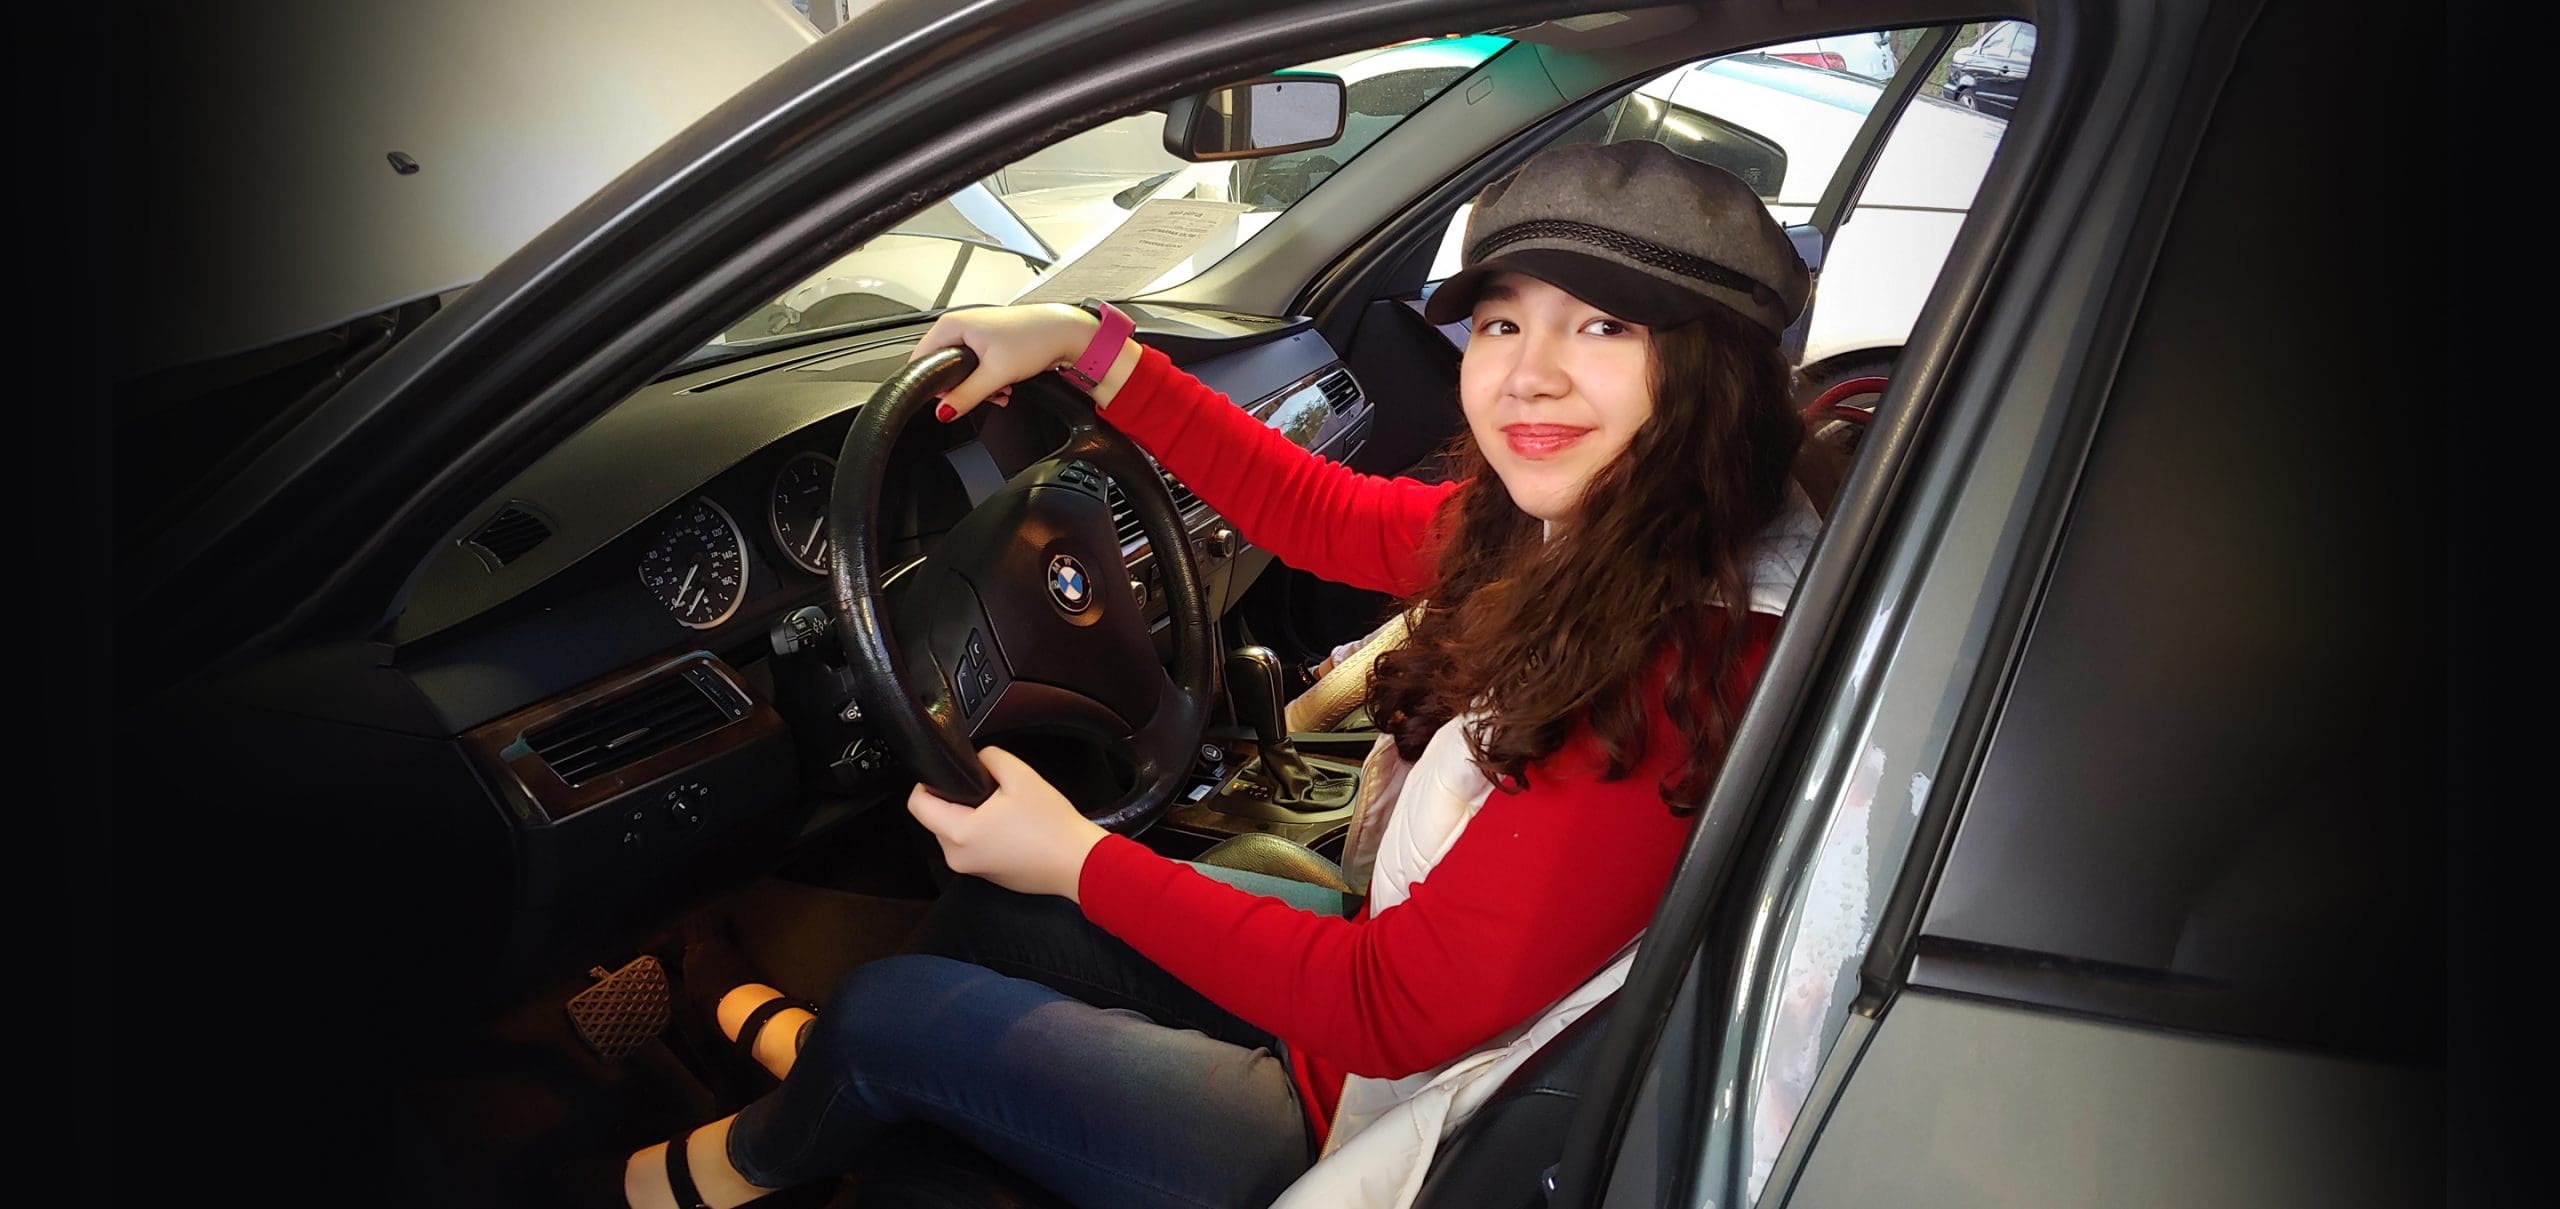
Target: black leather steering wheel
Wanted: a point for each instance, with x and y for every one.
(1022, 616)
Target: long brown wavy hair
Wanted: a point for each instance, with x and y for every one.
(1542, 636)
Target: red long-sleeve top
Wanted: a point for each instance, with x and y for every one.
(1540, 891)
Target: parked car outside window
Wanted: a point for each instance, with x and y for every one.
(1988, 74)
(1869, 55)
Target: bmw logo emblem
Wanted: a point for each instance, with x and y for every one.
(1068, 584)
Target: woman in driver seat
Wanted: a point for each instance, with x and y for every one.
(1591, 604)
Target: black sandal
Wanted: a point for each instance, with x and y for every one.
(712, 965)
(753, 1026)
(680, 1175)
(688, 1195)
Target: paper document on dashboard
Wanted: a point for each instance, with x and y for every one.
(1159, 235)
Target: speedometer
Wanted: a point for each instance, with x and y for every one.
(697, 565)
(799, 509)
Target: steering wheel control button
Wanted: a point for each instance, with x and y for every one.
(973, 673)
(1070, 588)
(1085, 478)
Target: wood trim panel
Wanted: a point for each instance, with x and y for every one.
(501, 747)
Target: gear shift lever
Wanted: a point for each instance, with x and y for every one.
(1254, 683)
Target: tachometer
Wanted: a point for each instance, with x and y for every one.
(799, 509)
(697, 565)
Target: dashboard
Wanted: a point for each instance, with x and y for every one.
(630, 639)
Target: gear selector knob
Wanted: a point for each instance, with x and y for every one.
(1255, 683)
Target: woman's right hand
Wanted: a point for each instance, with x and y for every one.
(1013, 343)
(1026, 837)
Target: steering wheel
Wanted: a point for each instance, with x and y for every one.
(1852, 400)
(1839, 416)
(1023, 615)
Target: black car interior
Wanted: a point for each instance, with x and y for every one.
(644, 685)
(653, 771)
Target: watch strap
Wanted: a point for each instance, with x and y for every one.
(1087, 371)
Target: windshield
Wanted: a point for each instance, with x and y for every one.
(1108, 212)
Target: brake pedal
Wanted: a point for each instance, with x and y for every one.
(624, 1010)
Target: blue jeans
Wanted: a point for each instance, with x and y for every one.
(1053, 1047)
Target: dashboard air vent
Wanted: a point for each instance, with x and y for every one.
(623, 730)
(509, 534)
(1183, 500)
(1340, 392)
(1125, 518)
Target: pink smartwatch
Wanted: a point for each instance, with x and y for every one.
(1088, 370)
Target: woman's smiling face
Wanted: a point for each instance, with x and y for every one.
(1553, 389)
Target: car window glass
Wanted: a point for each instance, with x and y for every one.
(1006, 233)
(1772, 121)
(1898, 229)
(1757, 114)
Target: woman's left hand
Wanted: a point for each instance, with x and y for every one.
(1026, 838)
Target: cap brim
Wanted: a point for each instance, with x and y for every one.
(1627, 293)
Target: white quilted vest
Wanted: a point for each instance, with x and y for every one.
(1386, 1130)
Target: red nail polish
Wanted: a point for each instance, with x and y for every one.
(943, 412)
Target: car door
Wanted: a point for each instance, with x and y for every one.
(2086, 868)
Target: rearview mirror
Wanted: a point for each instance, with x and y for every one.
(1267, 115)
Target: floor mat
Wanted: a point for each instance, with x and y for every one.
(807, 938)
(522, 1114)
